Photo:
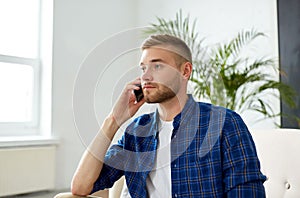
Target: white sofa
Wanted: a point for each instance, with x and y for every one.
(279, 153)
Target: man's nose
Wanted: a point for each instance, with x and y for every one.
(147, 75)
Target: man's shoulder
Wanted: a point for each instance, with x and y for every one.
(144, 119)
(141, 123)
(142, 126)
(208, 107)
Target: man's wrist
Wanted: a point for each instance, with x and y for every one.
(110, 127)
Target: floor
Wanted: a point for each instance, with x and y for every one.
(43, 194)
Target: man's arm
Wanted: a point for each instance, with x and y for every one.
(252, 189)
(91, 162)
(241, 166)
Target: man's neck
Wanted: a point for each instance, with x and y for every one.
(169, 109)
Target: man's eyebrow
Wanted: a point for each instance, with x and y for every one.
(154, 61)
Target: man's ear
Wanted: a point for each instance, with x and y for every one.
(187, 69)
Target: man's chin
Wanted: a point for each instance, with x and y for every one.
(152, 100)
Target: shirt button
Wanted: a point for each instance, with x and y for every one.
(175, 195)
(175, 165)
(175, 136)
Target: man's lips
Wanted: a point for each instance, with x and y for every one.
(148, 86)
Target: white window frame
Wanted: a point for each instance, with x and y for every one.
(24, 128)
(42, 72)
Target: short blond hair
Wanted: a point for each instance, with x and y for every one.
(170, 43)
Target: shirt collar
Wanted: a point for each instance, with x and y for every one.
(178, 117)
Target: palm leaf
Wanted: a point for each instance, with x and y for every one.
(222, 75)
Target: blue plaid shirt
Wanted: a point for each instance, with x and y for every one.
(212, 155)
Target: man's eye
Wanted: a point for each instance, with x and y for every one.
(157, 66)
(143, 68)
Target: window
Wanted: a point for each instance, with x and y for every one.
(17, 90)
(21, 79)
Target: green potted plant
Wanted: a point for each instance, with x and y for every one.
(224, 77)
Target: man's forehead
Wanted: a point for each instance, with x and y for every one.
(158, 50)
(156, 55)
(154, 60)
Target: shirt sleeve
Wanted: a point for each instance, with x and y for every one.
(241, 166)
(251, 189)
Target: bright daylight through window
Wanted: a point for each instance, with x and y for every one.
(19, 64)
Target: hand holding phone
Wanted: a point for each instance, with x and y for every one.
(139, 93)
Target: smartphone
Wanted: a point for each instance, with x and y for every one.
(139, 93)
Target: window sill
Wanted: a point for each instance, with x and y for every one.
(18, 141)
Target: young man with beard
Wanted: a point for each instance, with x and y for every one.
(183, 149)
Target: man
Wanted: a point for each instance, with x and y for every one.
(183, 149)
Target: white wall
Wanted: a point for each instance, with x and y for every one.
(80, 26)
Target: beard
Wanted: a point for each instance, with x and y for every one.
(161, 94)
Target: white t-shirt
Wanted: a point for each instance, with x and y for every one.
(159, 179)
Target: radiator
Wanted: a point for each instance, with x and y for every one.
(26, 169)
